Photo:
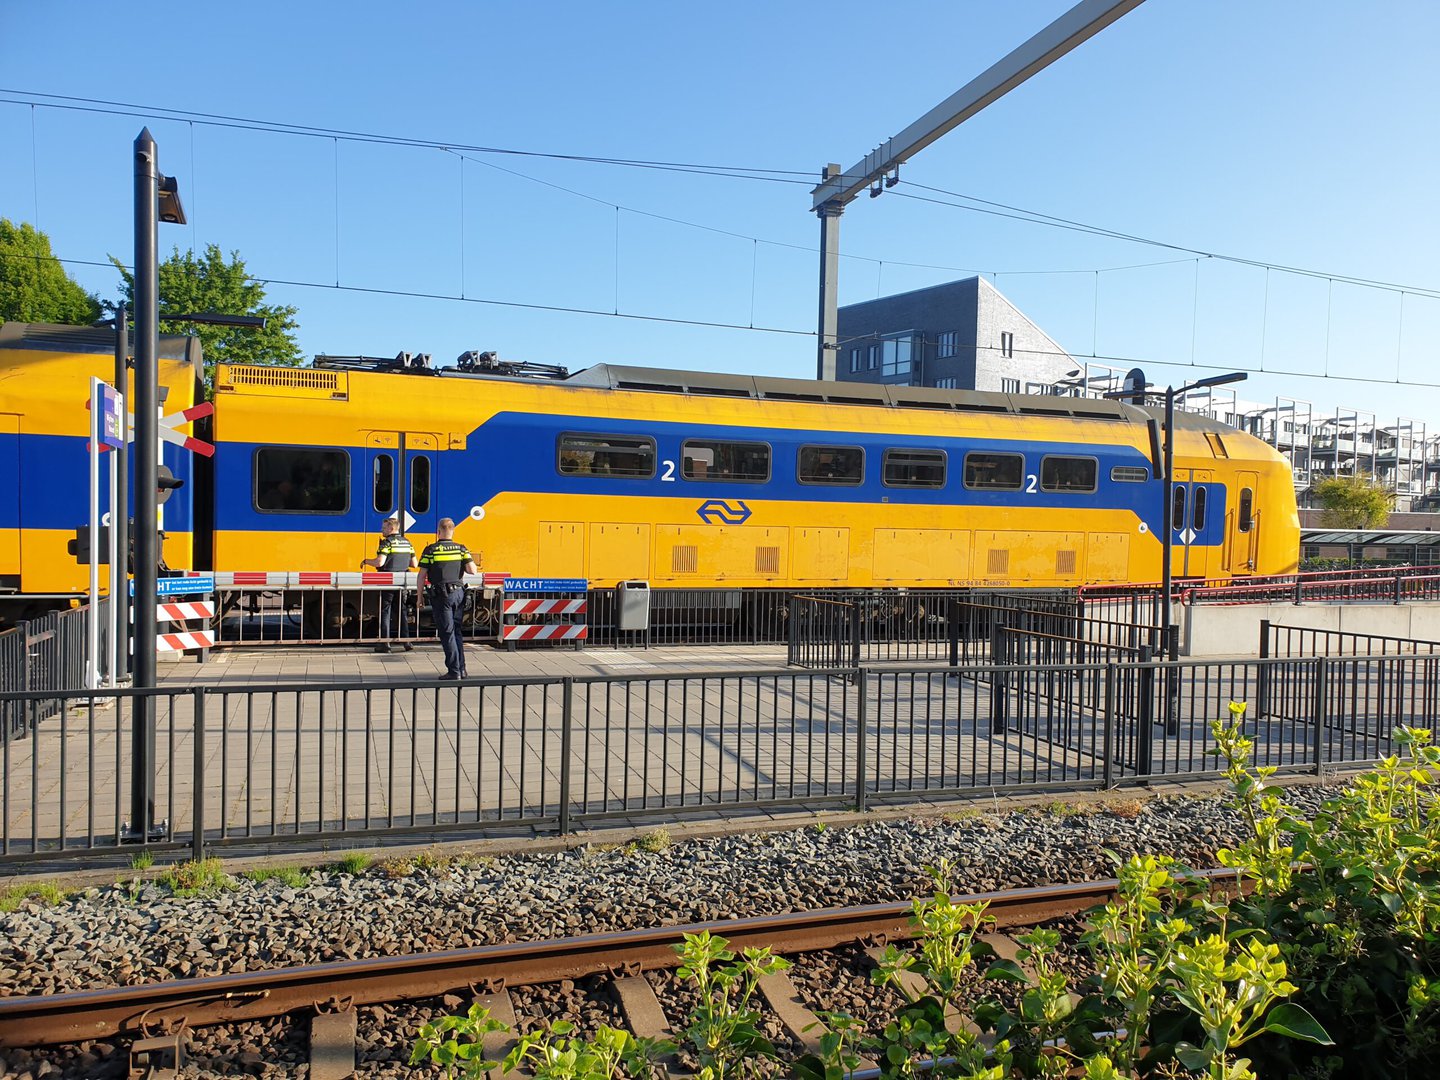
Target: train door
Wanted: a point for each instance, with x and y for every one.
(400, 466)
(1243, 523)
(1190, 519)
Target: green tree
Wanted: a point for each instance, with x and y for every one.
(34, 286)
(1357, 501)
(192, 284)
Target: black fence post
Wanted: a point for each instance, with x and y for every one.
(855, 625)
(198, 786)
(1108, 758)
(567, 723)
(862, 688)
(1318, 718)
(1145, 714)
(1262, 675)
(792, 636)
(999, 679)
(952, 623)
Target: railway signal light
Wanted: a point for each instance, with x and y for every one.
(81, 547)
(165, 483)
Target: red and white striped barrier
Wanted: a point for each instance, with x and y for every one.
(183, 642)
(552, 632)
(327, 579)
(185, 609)
(545, 607)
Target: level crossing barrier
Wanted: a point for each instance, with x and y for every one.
(337, 607)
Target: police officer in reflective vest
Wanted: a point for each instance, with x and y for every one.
(443, 564)
(395, 555)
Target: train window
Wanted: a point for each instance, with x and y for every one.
(420, 484)
(994, 472)
(1247, 509)
(1068, 474)
(607, 455)
(1129, 474)
(708, 459)
(383, 481)
(914, 468)
(1177, 507)
(841, 465)
(301, 480)
(1197, 509)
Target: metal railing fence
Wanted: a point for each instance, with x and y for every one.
(1376, 584)
(43, 654)
(333, 763)
(1279, 639)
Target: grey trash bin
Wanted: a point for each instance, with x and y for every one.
(632, 605)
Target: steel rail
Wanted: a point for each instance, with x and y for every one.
(41, 1020)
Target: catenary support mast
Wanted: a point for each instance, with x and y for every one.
(837, 189)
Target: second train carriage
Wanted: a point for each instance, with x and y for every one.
(726, 482)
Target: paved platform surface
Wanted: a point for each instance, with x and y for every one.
(321, 664)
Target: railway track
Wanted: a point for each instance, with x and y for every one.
(156, 1017)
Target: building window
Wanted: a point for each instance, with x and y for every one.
(897, 356)
(842, 465)
(950, 382)
(949, 344)
(302, 480)
(712, 460)
(994, 472)
(1007, 344)
(856, 358)
(1067, 475)
(915, 468)
(607, 455)
(1009, 386)
(874, 357)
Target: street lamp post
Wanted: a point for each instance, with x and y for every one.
(157, 198)
(1167, 515)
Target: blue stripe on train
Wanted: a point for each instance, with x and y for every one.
(516, 452)
(54, 475)
(9, 481)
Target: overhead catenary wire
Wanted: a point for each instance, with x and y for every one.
(1018, 214)
(799, 177)
(787, 331)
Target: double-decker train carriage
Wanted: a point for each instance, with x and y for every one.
(45, 373)
(686, 480)
(691, 480)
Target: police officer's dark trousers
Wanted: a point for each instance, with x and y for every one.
(447, 607)
(389, 602)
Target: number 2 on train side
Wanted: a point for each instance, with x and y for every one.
(669, 473)
(1030, 483)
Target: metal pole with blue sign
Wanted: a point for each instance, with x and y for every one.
(105, 412)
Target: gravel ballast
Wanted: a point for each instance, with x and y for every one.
(137, 932)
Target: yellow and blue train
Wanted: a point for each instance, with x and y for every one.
(45, 374)
(682, 479)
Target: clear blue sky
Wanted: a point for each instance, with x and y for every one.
(1298, 134)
